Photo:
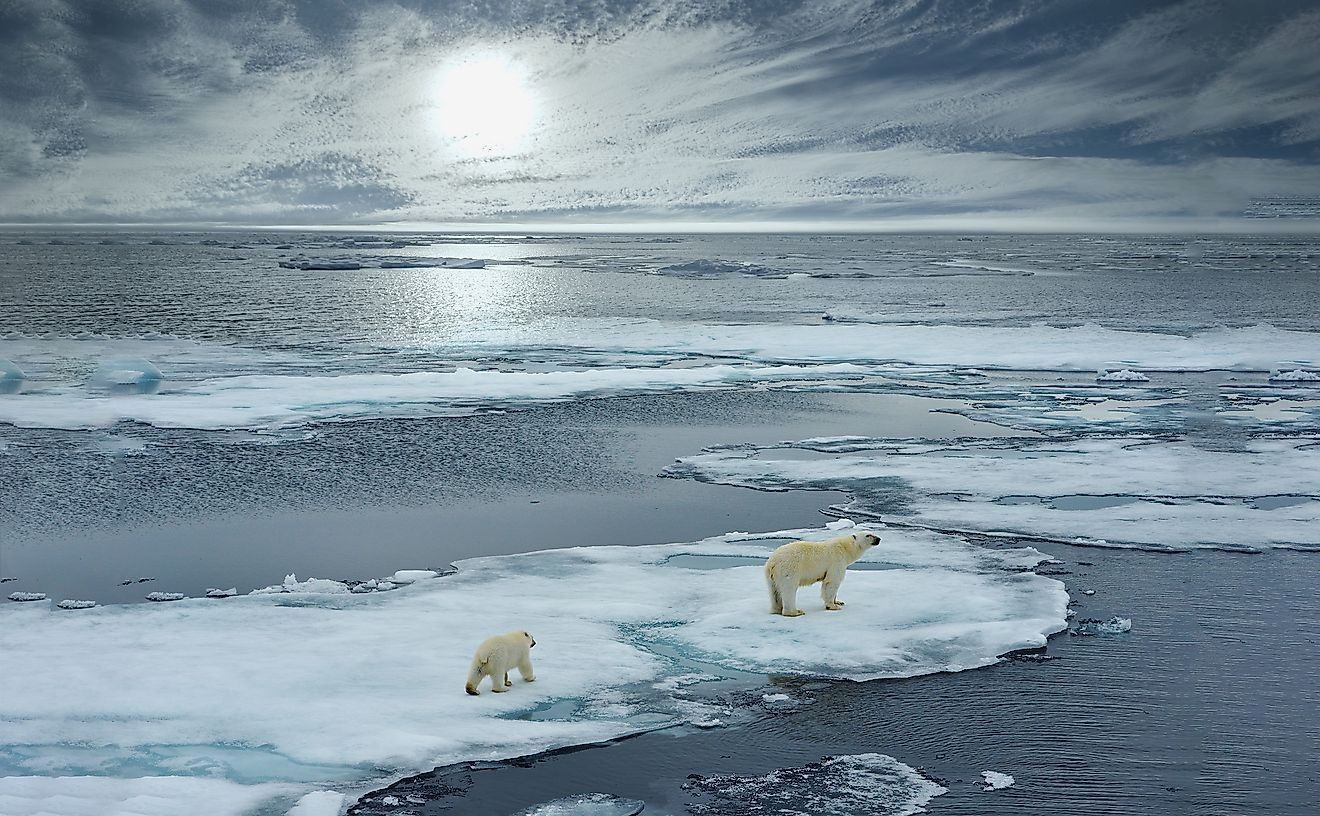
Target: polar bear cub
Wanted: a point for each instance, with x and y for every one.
(496, 656)
(802, 563)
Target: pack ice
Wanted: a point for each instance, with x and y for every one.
(1120, 491)
(219, 704)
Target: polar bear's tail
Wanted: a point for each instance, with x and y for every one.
(776, 600)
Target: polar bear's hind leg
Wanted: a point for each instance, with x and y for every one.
(525, 669)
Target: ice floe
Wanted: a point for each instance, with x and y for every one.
(70, 603)
(708, 268)
(24, 597)
(1113, 491)
(275, 401)
(160, 597)
(994, 780)
(873, 784)
(165, 795)
(1296, 375)
(586, 804)
(1094, 626)
(327, 688)
(350, 262)
(1120, 375)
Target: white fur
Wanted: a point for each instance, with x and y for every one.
(496, 656)
(802, 563)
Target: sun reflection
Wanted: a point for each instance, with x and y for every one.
(485, 105)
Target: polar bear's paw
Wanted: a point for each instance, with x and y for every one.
(792, 613)
(834, 606)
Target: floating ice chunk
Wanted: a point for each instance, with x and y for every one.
(221, 593)
(1088, 591)
(72, 604)
(1120, 375)
(586, 804)
(127, 376)
(873, 784)
(840, 524)
(1095, 626)
(776, 698)
(27, 596)
(412, 576)
(708, 268)
(319, 803)
(994, 780)
(165, 596)
(11, 377)
(311, 585)
(1295, 375)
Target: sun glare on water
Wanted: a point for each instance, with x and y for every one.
(485, 105)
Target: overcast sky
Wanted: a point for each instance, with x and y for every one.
(364, 111)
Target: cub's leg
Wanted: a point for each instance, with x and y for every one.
(525, 669)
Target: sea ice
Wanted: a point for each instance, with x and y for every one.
(1295, 375)
(412, 576)
(1120, 375)
(1123, 491)
(994, 780)
(341, 688)
(143, 796)
(1093, 626)
(27, 596)
(587, 804)
(221, 593)
(707, 268)
(312, 585)
(165, 596)
(319, 803)
(69, 603)
(874, 784)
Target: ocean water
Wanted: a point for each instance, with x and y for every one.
(180, 412)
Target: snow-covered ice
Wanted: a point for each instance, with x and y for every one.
(327, 688)
(994, 780)
(212, 592)
(319, 803)
(1295, 375)
(1112, 491)
(70, 603)
(1120, 375)
(708, 268)
(165, 596)
(24, 597)
(165, 795)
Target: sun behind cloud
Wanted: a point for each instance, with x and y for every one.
(484, 104)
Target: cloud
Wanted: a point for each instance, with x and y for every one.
(298, 111)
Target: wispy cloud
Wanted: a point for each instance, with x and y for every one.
(278, 110)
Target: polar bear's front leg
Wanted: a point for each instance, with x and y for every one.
(525, 669)
(829, 588)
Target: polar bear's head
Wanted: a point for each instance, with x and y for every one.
(866, 539)
(528, 639)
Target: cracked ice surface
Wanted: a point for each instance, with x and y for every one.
(1113, 491)
(320, 690)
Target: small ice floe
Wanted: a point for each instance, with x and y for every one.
(127, 376)
(840, 524)
(708, 268)
(1095, 626)
(1295, 375)
(586, 804)
(27, 596)
(72, 604)
(1120, 375)
(305, 263)
(373, 585)
(412, 576)
(776, 698)
(160, 597)
(1088, 591)
(11, 377)
(212, 592)
(994, 780)
(318, 803)
(292, 584)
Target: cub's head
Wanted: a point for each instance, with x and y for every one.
(531, 641)
(866, 539)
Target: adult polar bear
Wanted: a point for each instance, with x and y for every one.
(496, 657)
(802, 563)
